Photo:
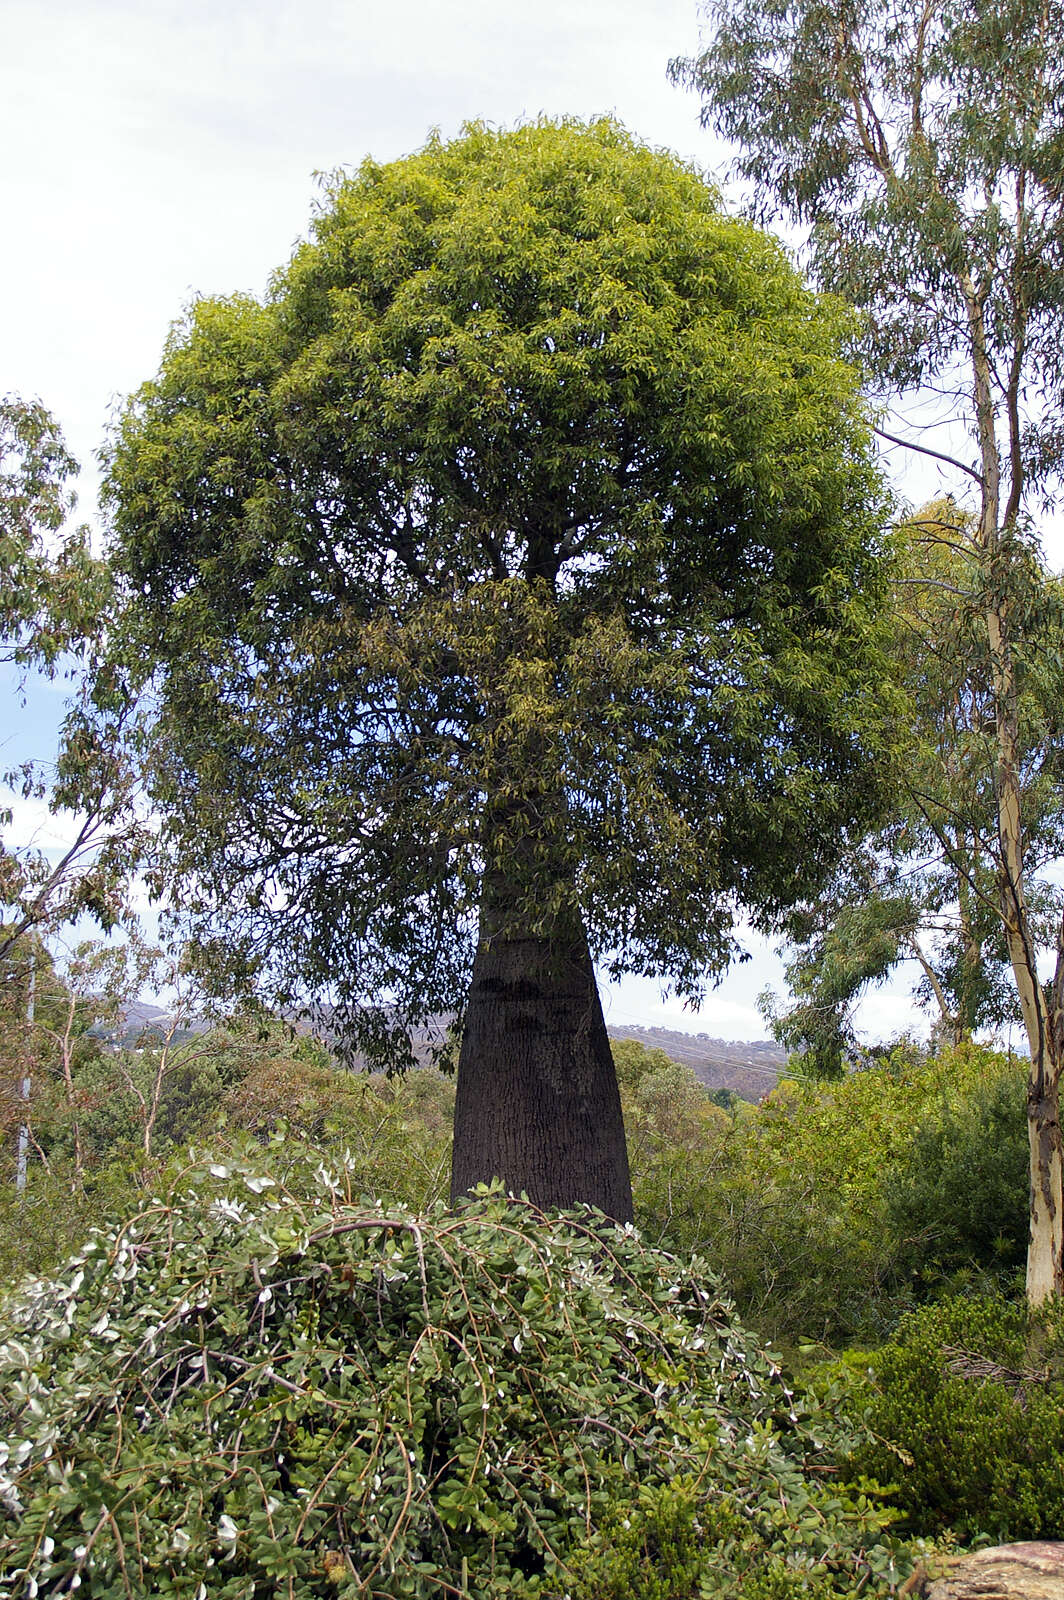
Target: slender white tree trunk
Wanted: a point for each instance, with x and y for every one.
(1041, 1017)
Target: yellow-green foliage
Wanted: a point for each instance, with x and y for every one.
(579, 510)
(667, 1112)
(790, 1202)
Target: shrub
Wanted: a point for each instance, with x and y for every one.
(676, 1138)
(240, 1393)
(238, 1080)
(792, 1204)
(675, 1543)
(957, 1197)
(965, 1408)
(394, 1134)
(42, 1224)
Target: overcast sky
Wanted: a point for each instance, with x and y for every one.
(155, 150)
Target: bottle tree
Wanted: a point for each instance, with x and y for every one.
(507, 581)
(921, 145)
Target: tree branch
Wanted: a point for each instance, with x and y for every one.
(926, 450)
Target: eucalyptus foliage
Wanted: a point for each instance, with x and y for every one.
(53, 593)
(923, 888)
(241, 1393)
(51, 588)
(922, 147)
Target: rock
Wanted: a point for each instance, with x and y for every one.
(1032, 1571)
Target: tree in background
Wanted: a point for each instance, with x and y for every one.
(53, 595)
(922, 148)
(925, 886)
(52, 589)
(44, 1024)
(508, 580)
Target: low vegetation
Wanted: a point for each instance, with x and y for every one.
(964, 1416)
(255, 1385)
(831, 1208)
(281, 1366)
(828, 1210)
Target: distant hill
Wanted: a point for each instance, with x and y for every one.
(141, 1023)
(748, 1067)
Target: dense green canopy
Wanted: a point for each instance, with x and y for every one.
(527, 524)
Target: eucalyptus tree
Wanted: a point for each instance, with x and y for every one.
(508, 581)
(924, 887)
(50, 586)
(922, 145)
(53, 595)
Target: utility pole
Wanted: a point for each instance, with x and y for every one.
(24, 1127)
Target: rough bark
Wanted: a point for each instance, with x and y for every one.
(537, 1102)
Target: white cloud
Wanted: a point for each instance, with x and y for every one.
(34, 827)
(729, 1011)
(160, 150)
(885, 1013)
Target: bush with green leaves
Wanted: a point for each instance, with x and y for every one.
(957, 1197)
(248, 1390)
(234, 1081)
(791, 1203)
(675, 1134)
(673, 1542)
(965, 1411)
(395, 1133)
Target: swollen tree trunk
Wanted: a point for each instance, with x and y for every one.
(537, 1103)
